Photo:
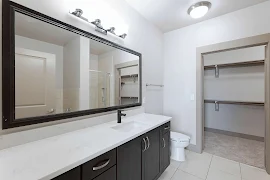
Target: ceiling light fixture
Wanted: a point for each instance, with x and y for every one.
(199, 9)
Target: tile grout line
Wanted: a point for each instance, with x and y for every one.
(196, 175)
(209, 166)
(173, 174)
(190, 173)
(240, 171)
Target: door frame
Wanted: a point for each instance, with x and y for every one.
(226, 46)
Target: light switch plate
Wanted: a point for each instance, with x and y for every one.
(192, 97)
(144, 100)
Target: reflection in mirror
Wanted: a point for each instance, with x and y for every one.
(58, 71)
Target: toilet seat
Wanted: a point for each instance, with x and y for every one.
(178, 137)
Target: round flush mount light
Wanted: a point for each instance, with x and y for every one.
(199, 9)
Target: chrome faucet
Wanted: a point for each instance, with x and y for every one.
(119, 115)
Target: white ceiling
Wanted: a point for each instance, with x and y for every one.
(169, 15)
(35, 29)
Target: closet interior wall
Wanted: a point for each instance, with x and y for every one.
(243, 83)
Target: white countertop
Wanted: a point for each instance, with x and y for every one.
(48, 158)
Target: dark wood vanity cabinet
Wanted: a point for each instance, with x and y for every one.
(97, 166)
(110, 174)
(165, 152)
(74, 174)
(146, 157)
(143, 158)
(151, 155)
(129, 160)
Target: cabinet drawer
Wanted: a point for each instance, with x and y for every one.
(74, 174)
(95, 167)
(108, 175)
(166, 127)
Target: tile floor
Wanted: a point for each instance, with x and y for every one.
(206, 166)
(238, 149)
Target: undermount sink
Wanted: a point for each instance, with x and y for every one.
(126, 127)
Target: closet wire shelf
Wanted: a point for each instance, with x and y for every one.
(238, 64)
(235, 102)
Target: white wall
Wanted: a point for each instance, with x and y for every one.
(84, 73)
(76, 74)
(142, 37)
(238, 83)
(235, 118)
(180, 58)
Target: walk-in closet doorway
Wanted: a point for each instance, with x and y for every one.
(256, 41)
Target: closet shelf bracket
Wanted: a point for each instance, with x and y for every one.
(216, 106)
(216, 71)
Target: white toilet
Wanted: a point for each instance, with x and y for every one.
(178, 143)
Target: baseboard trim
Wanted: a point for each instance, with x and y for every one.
(193, 148)
(229, 133)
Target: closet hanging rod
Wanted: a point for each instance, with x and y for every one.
(235, 102)
(157, 85)
(238, 64)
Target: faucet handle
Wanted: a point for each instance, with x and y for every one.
(119, 111)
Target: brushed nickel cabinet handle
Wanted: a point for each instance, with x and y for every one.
(148, 142)
(145, 145)
(164, 143)
(95, 168)
(167, 128)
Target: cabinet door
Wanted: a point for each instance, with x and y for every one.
(108, 175)
(74, 174)
(165, 151)
(151, 156)
(129, 160)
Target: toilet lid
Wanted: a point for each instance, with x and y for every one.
(179, 137)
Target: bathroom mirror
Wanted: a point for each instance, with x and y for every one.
(63, 72)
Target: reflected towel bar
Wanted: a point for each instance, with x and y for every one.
(156, 85)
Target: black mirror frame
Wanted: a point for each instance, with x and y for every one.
(8, 67)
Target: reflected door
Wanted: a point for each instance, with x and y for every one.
(35, 91)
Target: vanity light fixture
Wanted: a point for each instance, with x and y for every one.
(111, 30)
(98, 27)
(97, 22)
(199, 9)
(78, 13)
(123, 36)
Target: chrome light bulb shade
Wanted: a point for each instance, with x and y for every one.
(97, 22)
(123, 36)
(78, 12)
(111, 30)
